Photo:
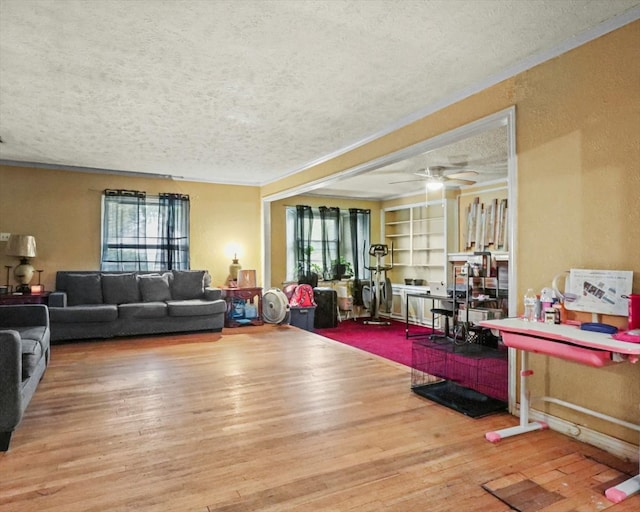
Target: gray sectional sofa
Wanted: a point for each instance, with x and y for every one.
(24, 356)
(93, 304)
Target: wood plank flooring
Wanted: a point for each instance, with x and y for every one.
(266, 419)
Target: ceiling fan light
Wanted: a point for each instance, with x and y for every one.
(434, 185)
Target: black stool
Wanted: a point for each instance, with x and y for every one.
(446, 313)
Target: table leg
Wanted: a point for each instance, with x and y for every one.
(622, 491)
(524, 426)
(406, 319)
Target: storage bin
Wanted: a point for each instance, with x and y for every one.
(326, 316)
(302, 317)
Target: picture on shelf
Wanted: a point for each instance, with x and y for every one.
(487, 225)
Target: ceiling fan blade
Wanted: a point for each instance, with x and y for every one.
(462, 175)
(405, 181)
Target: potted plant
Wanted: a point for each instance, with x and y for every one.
(341, 268)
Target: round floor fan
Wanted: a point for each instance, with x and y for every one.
(275, 306)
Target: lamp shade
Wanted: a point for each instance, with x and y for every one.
(23, 246)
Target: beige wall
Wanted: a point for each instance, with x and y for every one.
(577, 140)
(62, 210)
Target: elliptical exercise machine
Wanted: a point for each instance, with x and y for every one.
(378, 291)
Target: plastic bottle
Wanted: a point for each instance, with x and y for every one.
(530, 306)
(539, 312)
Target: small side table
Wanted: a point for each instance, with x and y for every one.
(24, 298)
(250, 295)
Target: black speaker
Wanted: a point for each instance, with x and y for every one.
(326, 314)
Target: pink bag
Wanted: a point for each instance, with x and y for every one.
(302, 297)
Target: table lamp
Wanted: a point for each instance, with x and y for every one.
(234, 268)
(24, 247)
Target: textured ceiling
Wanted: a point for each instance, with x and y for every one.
(482, 156)
(248, 91)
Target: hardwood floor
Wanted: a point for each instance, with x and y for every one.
(269, 419)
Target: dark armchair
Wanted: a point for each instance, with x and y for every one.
(24, 357)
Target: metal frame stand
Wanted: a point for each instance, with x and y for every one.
(379, 251)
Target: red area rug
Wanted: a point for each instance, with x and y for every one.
(387, 341)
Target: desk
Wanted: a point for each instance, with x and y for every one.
(570, 343)
(244, 294)
(433, 299)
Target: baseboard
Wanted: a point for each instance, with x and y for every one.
(621, 449)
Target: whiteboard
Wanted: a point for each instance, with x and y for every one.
(599, 291)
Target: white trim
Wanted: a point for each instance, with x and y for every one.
(265, 239)
(528, 63)
(495, 189)
(433, 202)
(97, 170)
(495, 120)
(617, 447)
(505, 117)
(512, 216)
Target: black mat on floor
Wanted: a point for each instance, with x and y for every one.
(461, 399)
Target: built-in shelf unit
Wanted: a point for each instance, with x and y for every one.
(418, 234)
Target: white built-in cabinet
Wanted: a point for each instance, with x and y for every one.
(419, 310)
(418, 235)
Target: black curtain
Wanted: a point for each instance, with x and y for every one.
(173, 232)
(331, 254)
(303, 226)
(359, 226)
(141, 232)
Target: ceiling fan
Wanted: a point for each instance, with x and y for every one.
(438, 174)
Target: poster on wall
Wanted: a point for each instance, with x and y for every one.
(599, 291)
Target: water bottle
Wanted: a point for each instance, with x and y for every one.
(530, 306)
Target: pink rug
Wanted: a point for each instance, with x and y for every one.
(387, 341)
(486, 372)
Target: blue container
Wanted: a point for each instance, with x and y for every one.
(302, 317)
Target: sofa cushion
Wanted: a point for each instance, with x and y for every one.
(120, 288)
(143, 310)
(79, 314)
(31, 355)
(195, 307)
(187, 284)
(154, 287)
(83, 289)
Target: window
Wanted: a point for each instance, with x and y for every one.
(141, 232)
(319, 238)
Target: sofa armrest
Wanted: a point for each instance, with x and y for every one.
(212, 293)
(23, 315)
(58, 299)
(10, 379)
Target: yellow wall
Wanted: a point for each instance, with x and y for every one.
(62, 210)
(278, 226)
(577, 140)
